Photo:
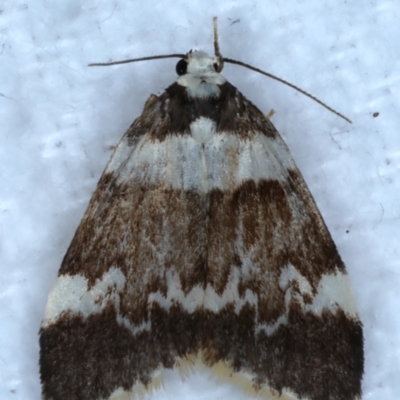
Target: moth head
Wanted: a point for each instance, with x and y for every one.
(199, 63)
(199, 74)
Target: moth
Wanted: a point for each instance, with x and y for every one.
(202, 243)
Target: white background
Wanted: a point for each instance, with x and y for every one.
(59, 118)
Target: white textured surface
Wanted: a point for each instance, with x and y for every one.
(59, 118)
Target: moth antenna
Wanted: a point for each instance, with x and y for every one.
(137, 59)
(230, 61)
(216, 45)
(221, 66)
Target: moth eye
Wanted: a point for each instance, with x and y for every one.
(181, 67)
(216, 67)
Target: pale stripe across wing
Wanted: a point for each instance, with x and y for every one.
(223, 162)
